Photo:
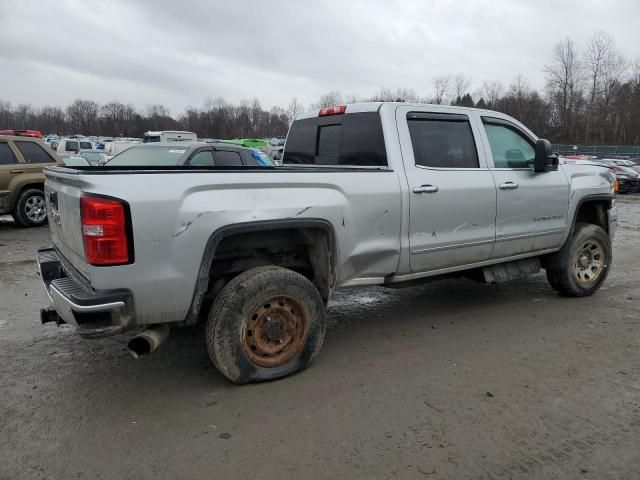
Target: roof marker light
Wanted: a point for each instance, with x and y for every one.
(337, 110)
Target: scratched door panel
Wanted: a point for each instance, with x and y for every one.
(452, 196)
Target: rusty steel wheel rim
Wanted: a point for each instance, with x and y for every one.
(275, 331)
(589, 262)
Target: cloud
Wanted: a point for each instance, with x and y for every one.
(180, 53)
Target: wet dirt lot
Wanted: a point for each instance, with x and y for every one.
(449, 380)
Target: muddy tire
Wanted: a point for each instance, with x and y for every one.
(30, 209)
(580, 268)
(266, 323)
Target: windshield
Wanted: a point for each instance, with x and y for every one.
(145, 156)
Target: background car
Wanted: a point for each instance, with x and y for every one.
(194, 154)
(92, 157)
(21, 180)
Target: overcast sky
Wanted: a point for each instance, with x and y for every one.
(178, 53)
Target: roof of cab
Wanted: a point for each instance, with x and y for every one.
(375, 106)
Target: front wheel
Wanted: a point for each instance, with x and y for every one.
(580, 268)
(266, 323)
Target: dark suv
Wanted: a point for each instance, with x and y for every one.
(21, 180)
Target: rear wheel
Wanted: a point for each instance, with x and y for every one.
(30, 209)
(580, 268)
(266, 323)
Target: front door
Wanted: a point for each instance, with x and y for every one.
(532, 207)
(452, 195)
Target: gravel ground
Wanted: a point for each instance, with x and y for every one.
(449, 380)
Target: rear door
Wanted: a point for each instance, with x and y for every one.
(10, 167)
(532, 207)
(452, 206)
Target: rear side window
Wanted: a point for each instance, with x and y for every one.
(33, 153)
(353, 139)
(86, 146)
(442, 141)
(6, 155)
(202, 159)
(225, 158)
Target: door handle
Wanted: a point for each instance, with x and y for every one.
(509, 186)
(17, 171)
(425, 189)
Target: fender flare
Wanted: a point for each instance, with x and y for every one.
(552, 260)
(202, 282)
(595, 197)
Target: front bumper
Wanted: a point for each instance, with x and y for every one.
(93, 313)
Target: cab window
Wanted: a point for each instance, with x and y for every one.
(202, 159)
(226, 158)
(33, 153)
(509, 147)
(442, 140)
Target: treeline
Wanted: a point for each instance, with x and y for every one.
(591, 96)
(216, 119)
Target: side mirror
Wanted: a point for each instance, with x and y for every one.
(545, 160)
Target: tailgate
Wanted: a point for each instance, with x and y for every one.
(63, 188)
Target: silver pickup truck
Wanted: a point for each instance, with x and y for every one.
(388, 194)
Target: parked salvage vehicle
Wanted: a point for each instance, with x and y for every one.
(92, 157)
(169, 136)
(189, 154)
(72, 146)
(22, 159)
(387, 194)
(628, 177)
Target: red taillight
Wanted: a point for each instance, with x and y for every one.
(104, 230)
(337, 110)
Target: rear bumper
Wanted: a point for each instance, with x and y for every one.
(93, 313)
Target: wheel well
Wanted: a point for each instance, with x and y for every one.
(37, 186)
(308, 249)
(304, 250)
(594, 212)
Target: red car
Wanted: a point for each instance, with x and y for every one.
(22, 133)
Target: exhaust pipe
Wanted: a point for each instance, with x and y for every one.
(146, 342)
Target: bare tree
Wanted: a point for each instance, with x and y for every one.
(441, 86)
(597, 51)
(82, 115)
(328, 100)
(492, 90)
(6, 114)
(564, 82)
(294, 108)
(112, 115)
(461, 85)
